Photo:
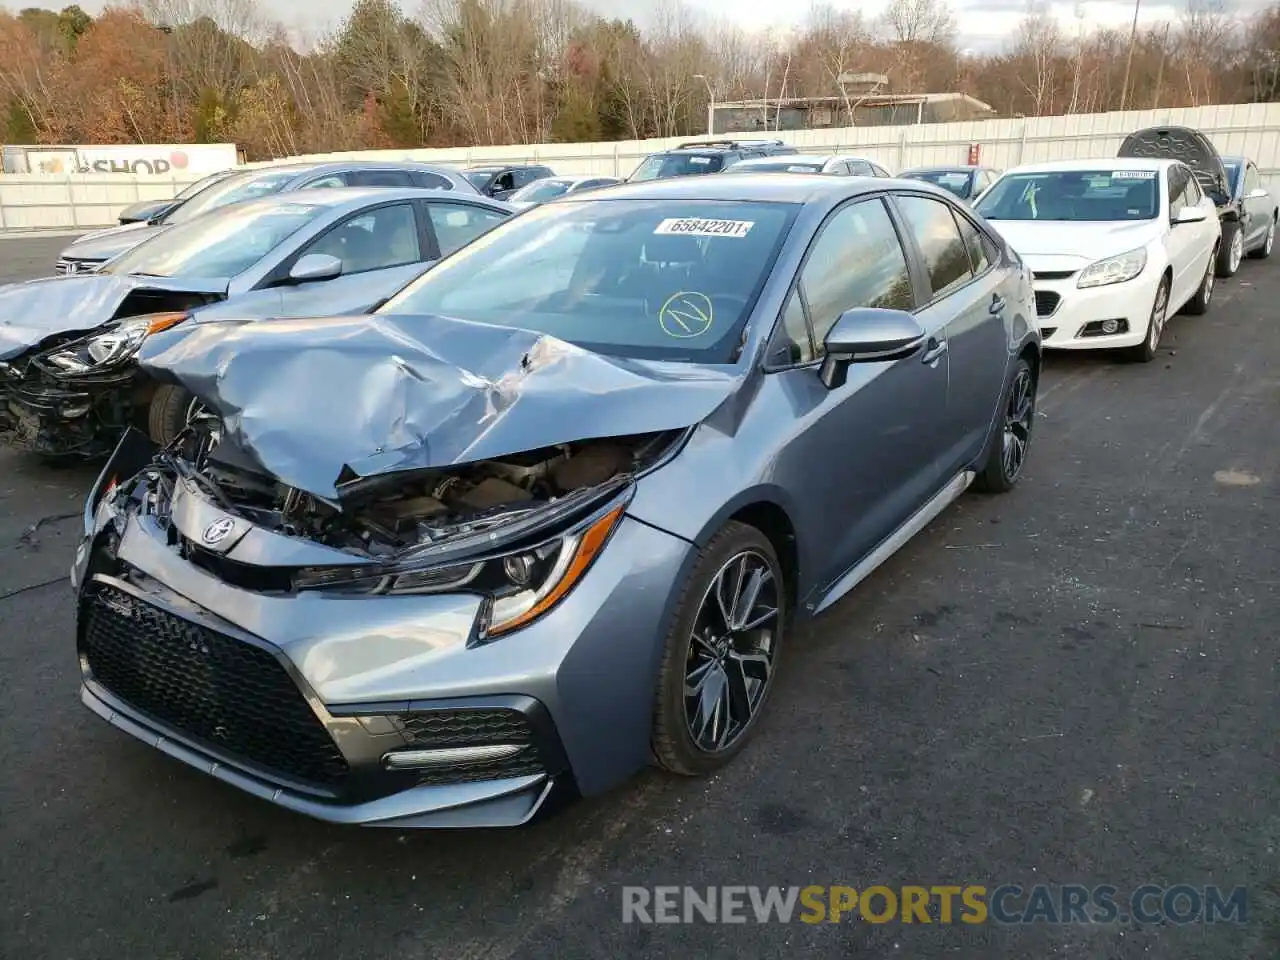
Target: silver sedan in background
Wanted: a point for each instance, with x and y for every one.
(94, 249)
(68, 385)
(548, 188)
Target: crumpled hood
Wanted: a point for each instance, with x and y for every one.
(111, 242)
(32, 311)
(318, 402)
(1088, 241)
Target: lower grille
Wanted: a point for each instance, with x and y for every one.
(215, 688)
(438, 729)
(1046, 302)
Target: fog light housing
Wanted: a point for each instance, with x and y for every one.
(1104, 328)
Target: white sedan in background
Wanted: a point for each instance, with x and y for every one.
(1115, 246)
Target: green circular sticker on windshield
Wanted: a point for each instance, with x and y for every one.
(686, 314)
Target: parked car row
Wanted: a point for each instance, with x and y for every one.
(422, 509)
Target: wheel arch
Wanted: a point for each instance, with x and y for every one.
(769, 510)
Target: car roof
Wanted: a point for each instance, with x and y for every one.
(480, 167)
(787, 158)
(746, 188)
(943, 167)
(352, 198)
(1096, 163)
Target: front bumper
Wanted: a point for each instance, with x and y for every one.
(1071, 318)
(299, 698)
(46, 415)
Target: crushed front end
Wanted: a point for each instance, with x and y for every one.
(44, 412)
(453, 647)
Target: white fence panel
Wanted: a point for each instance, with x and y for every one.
(1252, 130)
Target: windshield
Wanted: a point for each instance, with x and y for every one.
(223, 244)
(955, 182)
(541, 190)
(479, 178)
(650, 279)
(200, 184)
(1084, 195)
(245, 186)
(778, 166)
(662, 165)
(1233, 168)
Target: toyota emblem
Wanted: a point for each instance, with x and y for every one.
(218, 531)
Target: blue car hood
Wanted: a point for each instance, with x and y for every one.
(32, 311)
(321, 402)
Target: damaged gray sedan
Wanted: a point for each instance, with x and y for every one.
(68, 382)
(553, 511)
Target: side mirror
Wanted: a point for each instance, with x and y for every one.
(315, 266)
(1191, 215)
(868, 335)
(1256, 194)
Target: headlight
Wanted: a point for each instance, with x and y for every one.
(1117, 269)
(111, 346)
(519, 585)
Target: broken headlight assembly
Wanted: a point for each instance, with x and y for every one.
(519, 585)
(110, 347)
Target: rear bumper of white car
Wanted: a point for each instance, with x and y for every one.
(1072, 318)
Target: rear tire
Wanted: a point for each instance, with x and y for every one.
(1264, 251)
(1007, 453)
(1230, 249)
(705, 654)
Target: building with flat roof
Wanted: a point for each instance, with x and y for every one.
(869, 110)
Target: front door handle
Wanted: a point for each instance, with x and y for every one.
(934, 349)
(997, 303)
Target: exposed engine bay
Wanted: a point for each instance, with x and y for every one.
(382, 516)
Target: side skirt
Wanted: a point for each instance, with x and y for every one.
(892, 543)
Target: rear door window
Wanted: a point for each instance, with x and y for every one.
(457, 224)
(946, 256)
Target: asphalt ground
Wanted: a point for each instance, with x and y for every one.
(1074, 683)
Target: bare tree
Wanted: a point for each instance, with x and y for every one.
(1207, 41)
(839, 39)
(916, 28)
(1039, 48)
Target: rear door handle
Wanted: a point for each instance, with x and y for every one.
(933, 350)
(997, 304)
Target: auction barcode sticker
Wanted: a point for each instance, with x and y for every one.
(1133, 175)
(694, 227)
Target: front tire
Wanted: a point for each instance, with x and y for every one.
(721, 653)
(172, 409)
(1145, 352)
(1230, 249)
(1264, 251)
(1008, 451)
(1199, 304)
